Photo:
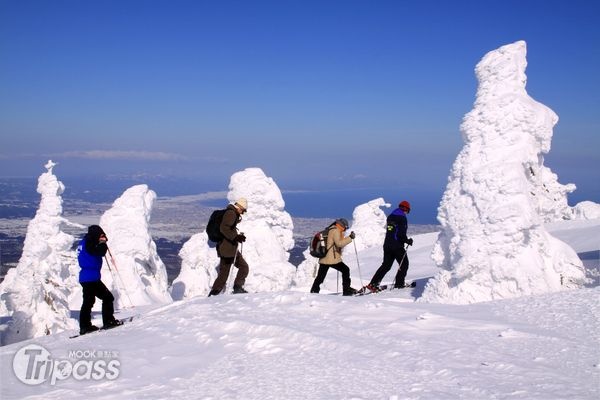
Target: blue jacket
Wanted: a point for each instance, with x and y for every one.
(397, 225)
(90, 260)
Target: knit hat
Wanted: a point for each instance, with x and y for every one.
(343, 222)
(242, 202)
(404, 204)
(94, 232)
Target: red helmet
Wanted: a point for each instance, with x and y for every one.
(405, 205)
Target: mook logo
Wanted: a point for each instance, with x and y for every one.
(34, 365)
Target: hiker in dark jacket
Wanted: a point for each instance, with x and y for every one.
(90, 251)
(393, 248)
(227, 249)
(333, 259)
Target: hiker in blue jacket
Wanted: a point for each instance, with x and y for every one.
(393, 248)
(90, 252)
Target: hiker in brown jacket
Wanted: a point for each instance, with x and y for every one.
(333, 259)
(228, 249)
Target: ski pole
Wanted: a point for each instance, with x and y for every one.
(358, 264)
(119, 276)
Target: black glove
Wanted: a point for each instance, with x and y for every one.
(352, 235)
(409, 241)
(240, 238)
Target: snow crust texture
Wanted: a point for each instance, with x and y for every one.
(493, 243)
(34, 291)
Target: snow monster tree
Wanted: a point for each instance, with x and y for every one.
(493, 242)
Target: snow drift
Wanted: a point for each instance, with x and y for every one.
(493, 242)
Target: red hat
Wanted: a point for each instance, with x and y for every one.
(404, 204)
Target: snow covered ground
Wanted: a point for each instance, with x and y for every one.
(296, 345)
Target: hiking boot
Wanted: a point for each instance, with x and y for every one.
(214, 292)
(350, 291)
(112, 324)
(87, 329)
(373, 287)
(239, 290)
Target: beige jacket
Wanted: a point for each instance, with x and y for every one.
(335, 242)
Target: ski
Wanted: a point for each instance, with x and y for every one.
(123, 320)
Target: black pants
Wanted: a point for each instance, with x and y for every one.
(323, 268)
(391, 254)
(91, 290)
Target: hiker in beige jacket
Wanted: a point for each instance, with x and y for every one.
(333, 258)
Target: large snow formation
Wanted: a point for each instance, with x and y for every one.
(368, 222)
(268, 229)
(586, 210)
(493, 242)
(138, 275)
(34, 292)
(198, 268)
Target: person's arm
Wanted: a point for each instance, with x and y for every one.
(228, 224)
(96, 247)
(339, 239)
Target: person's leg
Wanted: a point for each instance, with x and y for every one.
(242, 273)
(402, 259)
(89, 298)
(107, 298)
(345, 271)
(221, 281)
(316, 286)
(386, 265)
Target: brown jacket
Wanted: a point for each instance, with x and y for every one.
(335, 242)
(228, 246)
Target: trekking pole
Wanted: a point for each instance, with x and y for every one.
(401, 261)
(227, 285)
(112, 259)
(358, 263)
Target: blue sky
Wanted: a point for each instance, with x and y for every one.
(351, 94)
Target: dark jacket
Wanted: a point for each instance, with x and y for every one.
(89, 255)
(228, 246)
(397, 225)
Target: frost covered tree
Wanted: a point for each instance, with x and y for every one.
(268, 229)
(198, 268)
(138, 274)
(493, 242)
(368, 222)
(34, 292)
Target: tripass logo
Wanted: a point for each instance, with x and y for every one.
(34, 365)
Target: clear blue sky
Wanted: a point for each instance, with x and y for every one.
(367, 93)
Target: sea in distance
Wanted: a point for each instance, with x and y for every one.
(20, 199)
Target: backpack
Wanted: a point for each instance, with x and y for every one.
(318, 244)
(213, 228)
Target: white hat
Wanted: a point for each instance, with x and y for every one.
(242, 202)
